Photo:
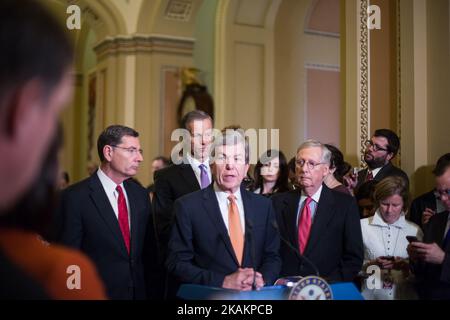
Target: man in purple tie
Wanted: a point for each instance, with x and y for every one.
(321, 223)
(177, 180)
(106, 215)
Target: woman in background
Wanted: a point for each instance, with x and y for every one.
(271, 174)
(338, 168)
(385, 243)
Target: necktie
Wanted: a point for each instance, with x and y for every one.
(123, 217)
(235, 229)
(304, 225)
(369, 175)
(204, 179)
(446, 239)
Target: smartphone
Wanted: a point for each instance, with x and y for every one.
(412, 239)
(391, 258)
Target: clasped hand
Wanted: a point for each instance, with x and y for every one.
(242, 279)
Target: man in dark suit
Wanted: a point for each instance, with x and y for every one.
(321, 223)
(380, 150)
(428, 204)
(431, 259)
(106, 215)
(223, 235)
(190, 173)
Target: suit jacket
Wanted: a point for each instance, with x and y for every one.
(386, 171)
(90, 224)
(200, 249)
(335, 244)
(434, 280)
(171, 183)
(426, 200)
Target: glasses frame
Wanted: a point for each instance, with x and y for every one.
(311, 166)
(132, 150)
(375, 147)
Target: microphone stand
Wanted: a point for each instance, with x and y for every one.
(297, 253)
(252, 250)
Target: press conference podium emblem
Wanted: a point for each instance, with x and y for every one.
(311, 288)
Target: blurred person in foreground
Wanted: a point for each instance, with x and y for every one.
(35, 85)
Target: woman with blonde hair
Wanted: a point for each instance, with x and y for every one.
(385, 242)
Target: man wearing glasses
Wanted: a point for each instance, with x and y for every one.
(106, 215)
(431, 259)
(430, 203)
(321, 224)
(380, 150)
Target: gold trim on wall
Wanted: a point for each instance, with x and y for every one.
(364, 79)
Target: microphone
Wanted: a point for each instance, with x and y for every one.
(297, 253)
(249, 224)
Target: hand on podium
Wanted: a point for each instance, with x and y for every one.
(242, 280)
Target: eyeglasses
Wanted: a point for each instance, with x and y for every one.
(131, 150)
(440, 193)
(375, 147)
(311, 165)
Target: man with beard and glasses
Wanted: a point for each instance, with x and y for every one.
(380, 150)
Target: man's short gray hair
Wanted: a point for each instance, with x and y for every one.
(326, 153)
(231, 137)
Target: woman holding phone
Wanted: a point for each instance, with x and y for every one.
(385, 242)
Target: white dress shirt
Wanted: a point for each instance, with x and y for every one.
(110, 188)
(195, 165)
(382, 239)
(222, 198)
(374, 171)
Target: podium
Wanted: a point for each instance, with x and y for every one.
(341, 291)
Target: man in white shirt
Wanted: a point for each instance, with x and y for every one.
(106, 215)
(223, 234)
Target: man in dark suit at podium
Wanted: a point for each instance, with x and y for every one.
(106, 215)
(320, 224)
(223, 235)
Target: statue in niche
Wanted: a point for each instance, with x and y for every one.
(195, 95)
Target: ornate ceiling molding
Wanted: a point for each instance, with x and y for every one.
(144, 44)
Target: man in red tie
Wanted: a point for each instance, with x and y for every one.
(322, 224)
(106, 215)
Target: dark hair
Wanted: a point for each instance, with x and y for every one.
(194, 115)
(65, 175)
(392, 138)
(291, 164)
(33, 212)
(365, 191)
(112, 136)
(165, 161)
(337, 161)
(281, 184)
(34, 45)
(442, 165)
(390, 186)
